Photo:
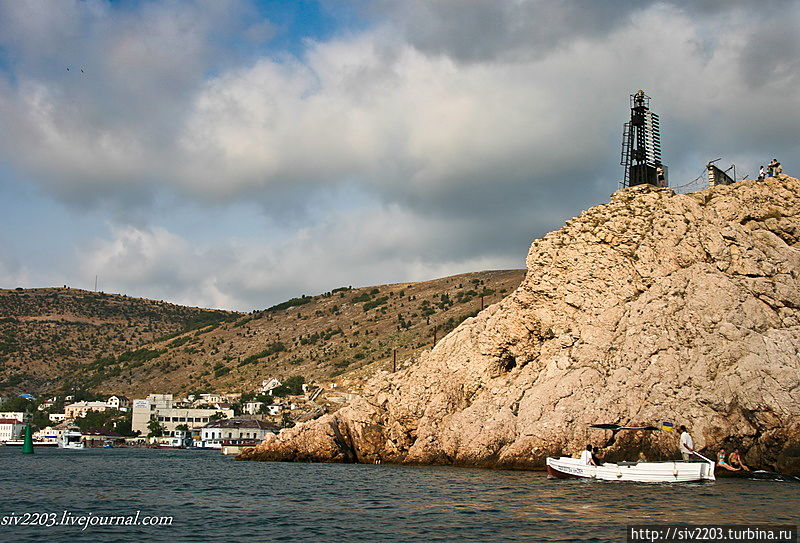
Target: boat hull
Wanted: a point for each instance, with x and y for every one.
(642, 472)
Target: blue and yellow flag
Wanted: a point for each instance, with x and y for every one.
(667, 426)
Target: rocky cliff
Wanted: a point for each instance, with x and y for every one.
(654, 307)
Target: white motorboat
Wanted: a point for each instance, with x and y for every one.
(676, 471)
(71, 439)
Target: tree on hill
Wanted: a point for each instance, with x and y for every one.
(292, 386)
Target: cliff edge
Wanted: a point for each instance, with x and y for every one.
(653, 307)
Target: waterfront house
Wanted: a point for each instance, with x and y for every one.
(221, 432)
(172, 417)
(10, 429)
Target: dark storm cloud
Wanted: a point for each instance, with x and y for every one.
(483, 30)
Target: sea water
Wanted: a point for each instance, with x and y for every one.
(210, 497)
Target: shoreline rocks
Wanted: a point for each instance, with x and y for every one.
(653, 307)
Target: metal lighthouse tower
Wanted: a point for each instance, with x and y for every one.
(641, 145)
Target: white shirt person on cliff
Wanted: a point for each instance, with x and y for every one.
(687, 445)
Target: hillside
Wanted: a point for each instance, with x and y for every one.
(653, 307)
(59, 339)
(345, 333)
(49, 336)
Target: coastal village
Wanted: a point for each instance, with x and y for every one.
(143, 373)
(226, 421)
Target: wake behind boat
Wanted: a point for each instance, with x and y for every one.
(645, 472)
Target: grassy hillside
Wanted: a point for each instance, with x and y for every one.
(48, 336)
(343, 333)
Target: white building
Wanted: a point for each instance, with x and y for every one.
(235, 432)
(161, 401)
(10, 429)
(57, 417)
(170, 417)
(252, 408)
(118, 402)
(211, 398)
(267, 385)
(48, 433)
(18, 415)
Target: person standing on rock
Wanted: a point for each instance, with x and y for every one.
(687, 444)
(761, 173)
(771, 168)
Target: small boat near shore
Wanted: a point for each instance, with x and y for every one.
(670, 471)
(643, 472)
(71, 439)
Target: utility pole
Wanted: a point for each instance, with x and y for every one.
(95, 283)
(435, 329)
(394, 360)
(481, 302)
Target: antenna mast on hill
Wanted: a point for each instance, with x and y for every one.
(641, 145)
(95, 283)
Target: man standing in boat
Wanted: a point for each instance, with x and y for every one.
(687, 445)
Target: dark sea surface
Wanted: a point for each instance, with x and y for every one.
(214, 498)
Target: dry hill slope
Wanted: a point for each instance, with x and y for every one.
(654, 307)
(50, 336)
(348, 333)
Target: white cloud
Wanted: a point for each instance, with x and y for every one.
(372, 247)
(467, 135)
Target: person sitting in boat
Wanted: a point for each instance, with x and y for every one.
(735, 460)
(721, 462)
(586, 456)
(597, 458)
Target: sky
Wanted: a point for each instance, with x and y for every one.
(233, 153)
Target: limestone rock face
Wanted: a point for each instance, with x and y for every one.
(654, 307)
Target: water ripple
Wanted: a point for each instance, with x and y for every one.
(213, 498)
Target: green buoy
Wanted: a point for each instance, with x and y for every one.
(27, 445)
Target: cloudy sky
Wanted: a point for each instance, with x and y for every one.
(237, 153)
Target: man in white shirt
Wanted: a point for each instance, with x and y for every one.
(687, 445)
(586, 456)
